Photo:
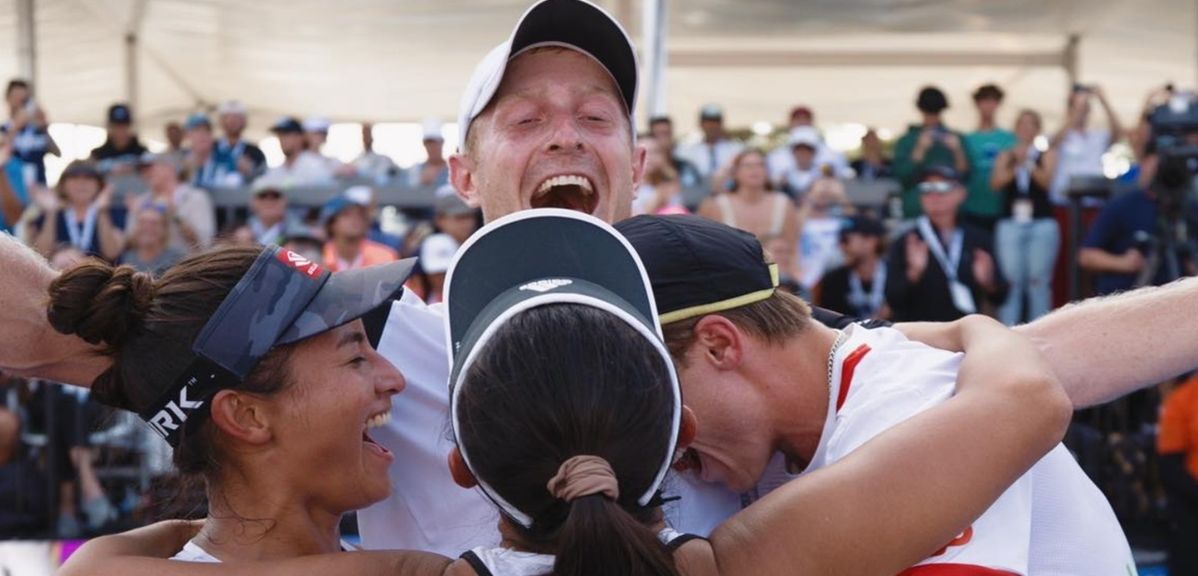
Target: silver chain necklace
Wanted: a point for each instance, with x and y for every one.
(840, 338)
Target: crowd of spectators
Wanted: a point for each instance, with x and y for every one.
(974, 224)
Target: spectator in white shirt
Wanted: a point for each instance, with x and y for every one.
(716, 151)
(371, 164)
(781, 159)
(1080, 148)
(434, 171)
(300, 167)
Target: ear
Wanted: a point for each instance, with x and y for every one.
(462, 476)
(461, 174)
(719, 342)
(688, 428)
(639, 153)
(241, 416)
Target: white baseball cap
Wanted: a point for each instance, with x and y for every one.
(575, 24)
(234, 107)
(431, 129)
(359, 195)
(436, 253)
(316, 124)
(804, 136)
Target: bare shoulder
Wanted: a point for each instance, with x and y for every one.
(459, 568)
(696, 558)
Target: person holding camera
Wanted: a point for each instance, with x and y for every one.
(28, 130)
(1079, 147)
(926, 144)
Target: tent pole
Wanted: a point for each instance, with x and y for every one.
(26, 41)
(653, 55)
(1073, 59)
(132, 72)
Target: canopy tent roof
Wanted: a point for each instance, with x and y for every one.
(852, 61)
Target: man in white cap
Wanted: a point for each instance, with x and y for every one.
(434, 171)
(233, 150)
(552, 110)
(781, 159)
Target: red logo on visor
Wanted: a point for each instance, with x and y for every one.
(300, 263)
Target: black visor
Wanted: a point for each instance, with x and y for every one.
(283, 298)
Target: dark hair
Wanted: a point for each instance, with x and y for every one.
(988, 92)
(565, 380)
(931, 100)
(14, 84)
(655, 120)
(147, 326)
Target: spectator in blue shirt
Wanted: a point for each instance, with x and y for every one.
(28, 130)
(13, 195)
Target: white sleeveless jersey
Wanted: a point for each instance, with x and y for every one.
(507, 562)
(1052, 522)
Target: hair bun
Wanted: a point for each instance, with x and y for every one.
(100, 303)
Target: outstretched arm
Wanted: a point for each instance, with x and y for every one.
(29, 347)
(907, 492)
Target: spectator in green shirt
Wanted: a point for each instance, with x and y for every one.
(983, 205)
(927, 144)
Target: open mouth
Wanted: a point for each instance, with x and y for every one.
(376, 421)
(571, 192)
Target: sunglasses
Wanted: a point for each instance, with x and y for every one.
(936, 187)
(270, 195)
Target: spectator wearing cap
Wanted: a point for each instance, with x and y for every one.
(378, 167)
(347, 225)
(661, 129)
(233, 150)
(28, 131)
(873, 163)
(269, 220)
(929, 143)
(942, 269)
(80, 214)
(455, 218)
(716, 150)
(781, 159)
(189, 209)
(201, 162)
(300, 167)
(1177, 444)
(434, 171)
(1079, 147)
(1027, 237)
(149, 249)
(660, 191)
(803, 144)
(365, 196)
(753, 207)
(121, 150)
(436, 254)
(983, 205)
(858, 288)
(316, 134)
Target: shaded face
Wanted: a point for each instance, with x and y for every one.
(987, 107)
(232, 124)
(200, 138)
(160, 175)
(120, 133)
(269, 206)
(662, 132)
(315, 140)
(871, 141)
(432, 149)
(290, 143)
(342, 388)
(80, 190)
(804, 156)
(802, 118)
(17, 97)
(460, 226)
(1080, 101)
(151, 228)
(941, 204)
(732, 445)
(857, 247)
(751, 171)
(174, 135)
(1027, 128)
(351, 224)
(555, 135)
(712, 129)
(655, 156)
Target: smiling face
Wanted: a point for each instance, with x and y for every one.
(342, 388)
(556, 134)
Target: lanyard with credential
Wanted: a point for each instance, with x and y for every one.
(867, 306)
(81, 234)
(961, 294)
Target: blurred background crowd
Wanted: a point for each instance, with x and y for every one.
(1006, 214)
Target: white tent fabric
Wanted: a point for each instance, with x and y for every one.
(385, 60)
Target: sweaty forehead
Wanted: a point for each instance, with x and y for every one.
(536, 71)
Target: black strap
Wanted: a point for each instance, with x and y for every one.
(681, 540)
(476, 563)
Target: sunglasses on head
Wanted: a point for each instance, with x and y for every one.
(941, 187)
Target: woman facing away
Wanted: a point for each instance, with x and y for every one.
(553, 372)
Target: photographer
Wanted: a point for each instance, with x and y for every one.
(1079, 147)
(925, 145)
(1142, 238)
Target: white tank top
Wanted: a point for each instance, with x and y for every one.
(508, 562)
(192, 552)
(777, 219)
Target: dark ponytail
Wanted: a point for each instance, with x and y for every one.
(600, 537)
(561, 381)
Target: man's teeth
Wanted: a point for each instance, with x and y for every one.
(378, 420)
(569, 180)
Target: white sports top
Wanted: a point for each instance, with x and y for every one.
(192, 552)
(507, 562)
